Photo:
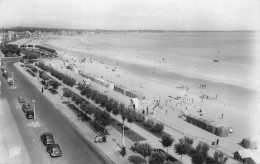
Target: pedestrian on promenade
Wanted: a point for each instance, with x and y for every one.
(217, 141)
(42, 89)
(96, 139)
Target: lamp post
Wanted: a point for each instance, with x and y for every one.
(123, 134)
(34, 114)
(13, 77)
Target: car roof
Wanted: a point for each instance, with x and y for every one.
(26, 104)
(20, 96)
(30, 111)
(48, 133)
(54, 145)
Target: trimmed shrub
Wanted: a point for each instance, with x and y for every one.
(149, 123)
(158, 127)
(139, 117)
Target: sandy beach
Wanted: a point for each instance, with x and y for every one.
(159, 68)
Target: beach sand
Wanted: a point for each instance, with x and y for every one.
(233, 87)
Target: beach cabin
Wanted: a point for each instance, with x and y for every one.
(250, 143)
(134, 103)
(246, 156)
(121, 89)
(110, 85)
(88, 76)
(134, 94)
(100, 81)
(208, 126)
(222, 130)
(86, 81)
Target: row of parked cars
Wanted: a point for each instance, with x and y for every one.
(26, 107)
(46, 138)
(52, 148)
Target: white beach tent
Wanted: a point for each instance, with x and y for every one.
(134, 102)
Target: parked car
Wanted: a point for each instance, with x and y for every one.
(54, 150)
(26, 107)
(47, 138)
(21, 99)
(29, 114)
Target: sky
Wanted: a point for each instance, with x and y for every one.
(132, 14)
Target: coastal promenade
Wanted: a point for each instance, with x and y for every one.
(183, 128)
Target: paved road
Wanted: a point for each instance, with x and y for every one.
(76, 149)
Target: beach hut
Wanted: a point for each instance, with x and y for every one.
(222, 130)
(110, 85)
(245, 156)
(188, 118)
(134, 103)
(213, 127)
(196, 121)
(99, 81)
(208, 123)
(134, 94)
(192, 120)
(121, 89)
(250, 143)
(202, 123)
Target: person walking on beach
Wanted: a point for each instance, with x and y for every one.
(217, 142)
(42, 89)
(222, 115)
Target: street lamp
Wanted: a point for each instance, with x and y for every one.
(34, 114)
(13, 77)
(123, 133)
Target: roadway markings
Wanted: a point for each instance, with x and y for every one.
(14, 151)
(17, 104)
(13, 87)
(34, 124)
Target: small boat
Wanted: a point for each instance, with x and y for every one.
(215, 60)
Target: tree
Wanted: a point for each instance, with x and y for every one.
(115, 111)
(201, 153)
(180, 149)
(157, 157)
(202, 148)
(102, 118)
(198, 158)
(220, 158)
(109, 105)
(130, 119)
(54, 84)
(186, 142)
(144, 149)
(167, 141)
(67, 93)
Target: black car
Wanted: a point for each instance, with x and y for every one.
(29, 114)
(26, 107)
(47, 138)
(54, 150)
(21, 99)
